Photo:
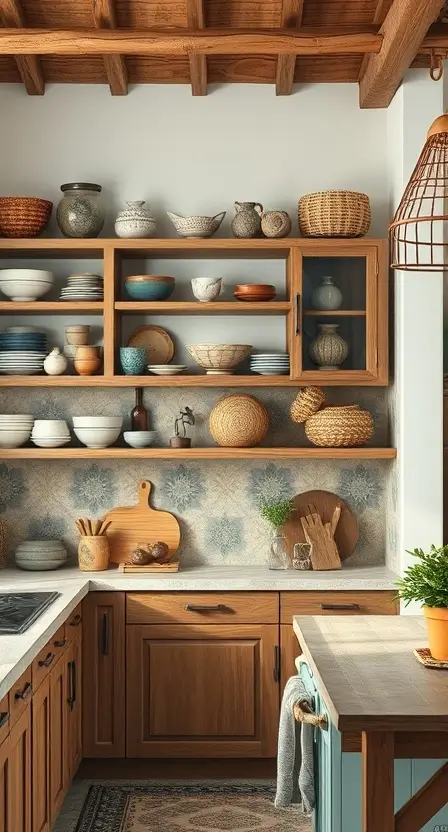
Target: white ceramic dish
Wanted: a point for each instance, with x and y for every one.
(49, 442)
(15, 437)
(97, 437)
(39, 566)
(97, 421)
(139, 438)
(16, 417)
(166, 370)
(50, 428)
(44, 553)
(51, 543)
(21, 285)
(23, 329)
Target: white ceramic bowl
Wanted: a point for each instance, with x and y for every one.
(40, 565)
(97, 437)
(14, 437)
(50, 428)
(16, 417)
(51, 543)
(139, 438)
(50, 442)
(98, 421)
(25, 284)
(42, 554)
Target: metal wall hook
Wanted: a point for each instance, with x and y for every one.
(436, 66)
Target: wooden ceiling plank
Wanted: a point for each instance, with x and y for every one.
(198, 63)
(292, 12)
(403, 30)
(11, 16)
(382, 7)
(114, 65)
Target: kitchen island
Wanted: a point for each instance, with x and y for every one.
(385, 714)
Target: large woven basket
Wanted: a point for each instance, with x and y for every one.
(340, 427)
(239, 421)
(306, 403)
(334, 214)
(23, 216)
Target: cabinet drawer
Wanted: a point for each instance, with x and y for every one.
(20, 696)
(202, 608)
(4, 718)
(48, 657)
(73, 623)
(337, 602)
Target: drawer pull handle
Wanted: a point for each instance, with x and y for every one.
(206, 607)
(339, 606)
(105, 634)
(4, 716)
(49, 659)
(76, 621)
(302, 713)
(60, 643)
(25, 693)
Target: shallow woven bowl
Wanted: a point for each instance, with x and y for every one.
(218, 356)
(23, 216)
(340, 427)
(334, 214)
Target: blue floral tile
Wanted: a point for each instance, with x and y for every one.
(269, 483)
(46, 528)
(224, 535)
(93, 488)
(361, 487)
(12, 487)
(183, 487)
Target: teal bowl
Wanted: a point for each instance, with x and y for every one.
(150, 290)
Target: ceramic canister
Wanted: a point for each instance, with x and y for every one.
(329, 349)
(135, 221)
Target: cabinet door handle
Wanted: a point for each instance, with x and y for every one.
(76, 621)
(206, 607)
(70, 699)
(105, 634)
(49, 659)
(60, 643)
(339, 606)
(74, 686)
(297, 313)
(25, 693)
(4, 716)
(276, 671)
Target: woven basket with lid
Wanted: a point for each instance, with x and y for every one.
(306, 403)
(239, 421)
(334, 214)
(340, 427)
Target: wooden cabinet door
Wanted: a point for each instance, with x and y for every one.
(20, 769)
(5, 786)
(104, 677)
(74, 713)
(58, 735)
(41, 757)
(202, 690)
(289, 650)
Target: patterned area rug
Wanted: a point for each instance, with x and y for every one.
(186, 807)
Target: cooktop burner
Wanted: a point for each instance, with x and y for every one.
(19, 610)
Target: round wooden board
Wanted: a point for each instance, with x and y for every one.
(157, 342)
(325, 502)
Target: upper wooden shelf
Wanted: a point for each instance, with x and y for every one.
(213, 308)
(36, 307)
(215, 452)
(344, 377)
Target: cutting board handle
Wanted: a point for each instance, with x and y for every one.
(144, 490)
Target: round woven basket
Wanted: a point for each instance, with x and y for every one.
(340, 427)
(334, 214)
(306, 403)
(239, 421)
(23, 216)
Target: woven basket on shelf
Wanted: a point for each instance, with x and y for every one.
(23, 216)
(334, 214)
(306, 403)
(340, 427)
(239, 421)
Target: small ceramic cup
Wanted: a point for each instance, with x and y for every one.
(133, 360)
(77, 336)
(86, 366)
(93, 553)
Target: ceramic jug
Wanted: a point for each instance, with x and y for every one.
(206, 289)
(55, 363)
(247, 219)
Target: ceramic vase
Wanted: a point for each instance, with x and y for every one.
(275, 224)
(206, 289)
(55, 363)
(247, 219)
(133, 360)
(327, 296)
(80, 212)
(93, 553)
(329, 349)
(135, 222)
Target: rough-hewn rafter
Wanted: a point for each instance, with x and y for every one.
(115, 66)
(11, 15)
(292, 11)
(403, 30)
(198, 63)
(382, 7)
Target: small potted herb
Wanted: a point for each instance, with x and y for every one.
(276, 513)
(427, 582)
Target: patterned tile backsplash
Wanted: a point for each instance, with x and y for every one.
(217, 503)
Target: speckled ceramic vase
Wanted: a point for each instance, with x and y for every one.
(135, 222)
(329, 349)
(247, 219)
(80, 212)
(327, 295)
(275, 224)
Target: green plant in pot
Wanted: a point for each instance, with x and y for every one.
(426, 581)
(276, 513)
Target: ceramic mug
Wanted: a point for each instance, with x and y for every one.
(133, 360)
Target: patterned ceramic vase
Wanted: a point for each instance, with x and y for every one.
(247, 219)
(133, 360)
(329, 349)
(327, 295)
(80, 212)
(275, 223)
(135, 222)
(55, 363)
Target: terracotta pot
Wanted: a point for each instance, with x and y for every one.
(86, 366)
(437, 623)
(84, 351)
(93, 553)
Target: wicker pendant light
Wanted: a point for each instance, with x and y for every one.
(417, 230)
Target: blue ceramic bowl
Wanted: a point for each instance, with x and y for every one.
(151, 290)
(133, 360)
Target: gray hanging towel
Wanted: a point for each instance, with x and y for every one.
(295, 757)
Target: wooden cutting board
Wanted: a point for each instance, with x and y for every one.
(131, 525)
(325, 502)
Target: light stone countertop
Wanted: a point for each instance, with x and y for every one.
(17, 652)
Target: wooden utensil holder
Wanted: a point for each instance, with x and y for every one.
(93, 553)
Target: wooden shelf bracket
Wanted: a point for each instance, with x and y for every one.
(292, 12)
(115, 65)
(11, 15)
(198, 63)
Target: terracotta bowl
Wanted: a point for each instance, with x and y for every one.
(255, 288)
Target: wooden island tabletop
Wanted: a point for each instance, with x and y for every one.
(368, 676)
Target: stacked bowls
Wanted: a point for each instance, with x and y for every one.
(25, 284)
(97, 431)
(50, 433)
(149, 286)
(87, 287)
(15, 429)
(40, 555)
(254, 292)
(22, 350)
(270, 363)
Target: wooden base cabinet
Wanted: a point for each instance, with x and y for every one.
(208, 690)
(58, 735)
(41, 757)
(20, 772)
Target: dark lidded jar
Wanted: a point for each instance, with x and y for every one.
(80, 212)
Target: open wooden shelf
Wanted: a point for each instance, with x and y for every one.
(338, 313)
(214, 308)
(322, 379)
(37, 307)
(197, 453)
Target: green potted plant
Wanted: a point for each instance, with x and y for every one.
(427, 582)
(276, 513)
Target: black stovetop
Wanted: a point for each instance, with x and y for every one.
(19, 610)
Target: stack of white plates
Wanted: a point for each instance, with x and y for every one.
(21, 362)
(15, 429)
(270, 363)
(166, 369)
(37, 555)
(50, 433)
(83, 287)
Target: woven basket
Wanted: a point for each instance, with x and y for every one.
(23, 216)
(334, 214)
(239, 421)
(306, 403)
(340, 427)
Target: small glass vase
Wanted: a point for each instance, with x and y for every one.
(278, 557)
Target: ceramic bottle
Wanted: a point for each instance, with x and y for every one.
(327, 295)
(55, 363)
(247, 219)
(329, 349)
(135, 222)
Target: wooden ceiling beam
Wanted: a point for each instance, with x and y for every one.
(292, 11)
(382, 7)
(11, 16)
(198, 63)
(403, 31)
(114, 65)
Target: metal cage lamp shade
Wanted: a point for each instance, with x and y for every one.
(417, 230)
